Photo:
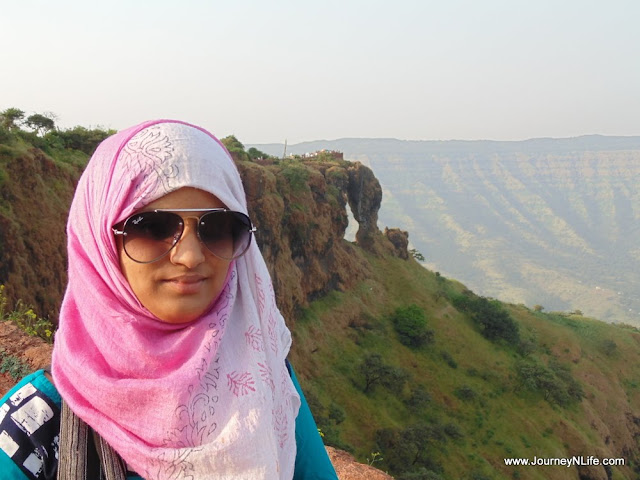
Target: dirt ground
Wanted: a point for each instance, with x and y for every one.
(31, 350)
(348, 469)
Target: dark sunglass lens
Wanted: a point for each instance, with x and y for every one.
(150, 235)
(226, 234)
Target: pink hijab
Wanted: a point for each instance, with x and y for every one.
(207, 399)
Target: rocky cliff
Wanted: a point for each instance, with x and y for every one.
(298, 207)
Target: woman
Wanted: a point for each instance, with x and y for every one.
(170, 353)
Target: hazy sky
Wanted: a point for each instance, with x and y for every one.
(266, 71)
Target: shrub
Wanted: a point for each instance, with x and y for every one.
(573, 388)
(453, 430)
(420, 474)
(296, 177)
(493, 321)
(418, 399)
(527, 347)
(24, 317)
(255, 154)
(449, 360)
(408, 450)
(79, 138)
(418, 256)
(410, 324)
(13, 366)
(232, 144)
(327, 420)
(336, 413)
(554, 382)
(5, 135)
(608, 347)
(235, 148)
(11, 118)
(465, 392)
(376, 372)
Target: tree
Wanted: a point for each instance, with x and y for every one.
(418, 399)
(376, 372)
(410, 449)
(255, 154)
(495, 323)
(417, 255)
(555, 382)
(40, 123)
(80, 138)
(232, 144)
(411, 325)
(11, 117)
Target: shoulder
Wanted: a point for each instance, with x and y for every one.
(41, 381)
(29, 428)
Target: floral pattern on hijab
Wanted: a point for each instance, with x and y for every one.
(207, 399)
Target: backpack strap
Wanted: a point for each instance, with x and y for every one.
(74, 435)
(113, 467)
(83, 454)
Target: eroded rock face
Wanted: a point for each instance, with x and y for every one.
(365, 196)
(300, 212)
(400, 241)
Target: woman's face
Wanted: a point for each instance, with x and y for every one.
(181, 286)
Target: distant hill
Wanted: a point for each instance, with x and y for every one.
(547, 222)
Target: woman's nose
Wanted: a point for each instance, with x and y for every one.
(189, 250)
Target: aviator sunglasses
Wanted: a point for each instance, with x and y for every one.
(149, 236)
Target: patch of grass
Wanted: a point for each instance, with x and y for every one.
(296, 176)
(13, 366)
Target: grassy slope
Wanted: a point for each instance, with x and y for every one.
(501, 421)
(36, 187)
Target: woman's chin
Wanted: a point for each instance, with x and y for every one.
(184, 314)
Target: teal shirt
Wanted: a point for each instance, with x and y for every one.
(30, 424)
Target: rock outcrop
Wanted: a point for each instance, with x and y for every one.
(299, 208)
(365, 197)
(400, 241)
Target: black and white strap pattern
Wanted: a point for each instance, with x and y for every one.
(29, 426)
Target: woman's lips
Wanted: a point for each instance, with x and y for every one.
(187, 284)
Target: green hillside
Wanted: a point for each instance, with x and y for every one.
(569, 386)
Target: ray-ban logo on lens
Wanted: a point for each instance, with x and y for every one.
(137, 220)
